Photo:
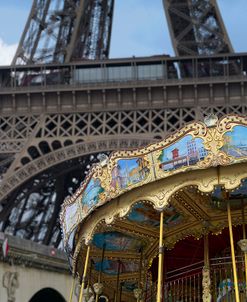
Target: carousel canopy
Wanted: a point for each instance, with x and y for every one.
(188, 176)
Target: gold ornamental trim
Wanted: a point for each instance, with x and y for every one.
(197, 146)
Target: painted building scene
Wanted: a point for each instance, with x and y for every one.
(186, 152)
(235, 142)
(90, 196)
(128, 172)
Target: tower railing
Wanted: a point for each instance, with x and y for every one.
(159, 69)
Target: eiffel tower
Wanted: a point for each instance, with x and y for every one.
(65, 105)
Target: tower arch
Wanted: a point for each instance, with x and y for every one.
(47, 295)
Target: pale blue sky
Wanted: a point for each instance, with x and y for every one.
(139, 26)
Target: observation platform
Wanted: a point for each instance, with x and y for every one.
(148, 82)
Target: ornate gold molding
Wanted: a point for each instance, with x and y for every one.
(210, 156)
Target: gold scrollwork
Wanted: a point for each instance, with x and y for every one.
(213, 141)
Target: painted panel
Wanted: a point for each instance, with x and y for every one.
(129, 286)
(235, 143)
(236, 197)
(188, 151)
(128, 172)
(70, 243)
(110, 267)
(72, 216)
(91, 196)
(116, 241)
(146, 215)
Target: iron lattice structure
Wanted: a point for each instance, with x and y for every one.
(62, 31)
(44, 158)
(196, 27)
(45, 151)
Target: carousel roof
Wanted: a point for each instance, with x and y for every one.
(189, 176)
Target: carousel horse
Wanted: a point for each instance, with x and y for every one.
(225, 289)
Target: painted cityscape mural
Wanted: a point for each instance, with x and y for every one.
(235, 142)
(90, 196)
(145, 214)
(128, 172)
(110, 267)
(116, 241)
(186, 152)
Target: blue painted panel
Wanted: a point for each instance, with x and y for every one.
(128, 172)
(235, 142)
(116, 241)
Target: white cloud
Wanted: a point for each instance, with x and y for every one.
(6, 52)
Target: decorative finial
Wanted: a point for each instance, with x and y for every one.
(211, 120)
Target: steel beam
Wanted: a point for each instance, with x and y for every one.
(196, 27)
(59, 31)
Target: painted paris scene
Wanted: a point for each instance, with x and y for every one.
(128, 172)
(90, 196)
(235, 142)
(186, 152)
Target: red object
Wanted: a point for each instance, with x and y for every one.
(175, 153)
(190, 250)
(5, 248)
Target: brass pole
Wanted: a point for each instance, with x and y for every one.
(206, 281)
(243, 221)
(206, 251)
(118, 274)
(146, 286)
(100, 272)
(152, 288)
(245, 254)
(140, 271)
(84, 274)
(89, 277)
(101, 264)
(121, 291)
(161, 251)
(72, 290)
(233, 252)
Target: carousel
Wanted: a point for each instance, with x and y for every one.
(165, 222)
